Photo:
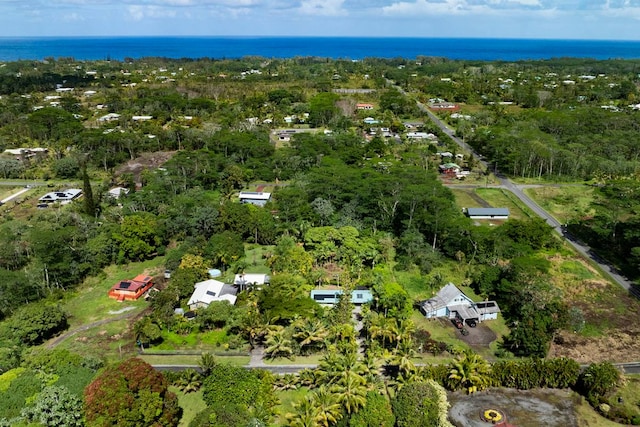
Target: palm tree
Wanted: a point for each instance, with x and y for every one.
(328, 408)
(469, 371)
(206, 363)
(189, 381)
(306, 414)
(310, 333)
(278, 344)
(350, 393)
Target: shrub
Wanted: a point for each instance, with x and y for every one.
(598, 380)
(416, 405)
(375, 413)
(130, 394)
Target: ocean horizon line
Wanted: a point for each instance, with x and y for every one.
(335, 47)
(284, 36)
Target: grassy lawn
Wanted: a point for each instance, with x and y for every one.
(191, 404)
(565, 202)
(499, 198)
(465, 198)
(287, 399)
(90, 302)
(191, 359)
(587, 416)
(627, 396)
(255, 259)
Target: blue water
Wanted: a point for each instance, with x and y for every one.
(119, 48)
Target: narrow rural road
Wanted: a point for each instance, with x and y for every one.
(506, 183)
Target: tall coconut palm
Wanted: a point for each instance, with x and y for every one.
(311, 334)
(306, 414)
(469, 371)
(350, 393)
(278, 344)
(329, 410)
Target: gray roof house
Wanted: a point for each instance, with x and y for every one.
(488, 213)
(209, 291)
(451, 302)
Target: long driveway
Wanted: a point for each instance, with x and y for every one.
(506, 183)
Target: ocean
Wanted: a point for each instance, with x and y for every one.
(120, 48)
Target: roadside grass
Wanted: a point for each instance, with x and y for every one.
(6, 191)
(90, 303)
(191, 404)
(627, 397)
(605, 305)
(587, 416)
(500, 198)
(211, 341)
(564, 202)
(191, 359)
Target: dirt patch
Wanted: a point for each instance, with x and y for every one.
(523, 408)
(617, 346)
(145, 161)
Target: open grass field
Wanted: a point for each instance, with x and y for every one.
(191, 404)
(499, 198)
(90, 302)
(287, 399)
(255, 259)
(565, 202)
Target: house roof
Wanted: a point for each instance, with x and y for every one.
(488, 211)
(443, 298)
(252, 195)
(253, 279)
(140, 281)
(60, 196)
(464, 311)
(212, 290)
(487, 307)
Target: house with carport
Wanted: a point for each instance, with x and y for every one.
(450, 303)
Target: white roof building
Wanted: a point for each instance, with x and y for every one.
(247, 279)
(210, 291)
(64, 196)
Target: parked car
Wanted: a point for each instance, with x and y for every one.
(457, 323)
(167, 274)
(471, 322)
(464, 331)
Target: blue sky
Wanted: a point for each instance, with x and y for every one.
(574, 19)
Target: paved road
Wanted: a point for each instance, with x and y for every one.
(14, 195)
(506, 183)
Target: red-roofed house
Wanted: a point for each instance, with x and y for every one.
(128, 290)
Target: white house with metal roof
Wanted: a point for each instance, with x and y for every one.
(451, 302)
(210, 291)
(254, 198)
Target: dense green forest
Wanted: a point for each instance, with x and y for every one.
(359, 201)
